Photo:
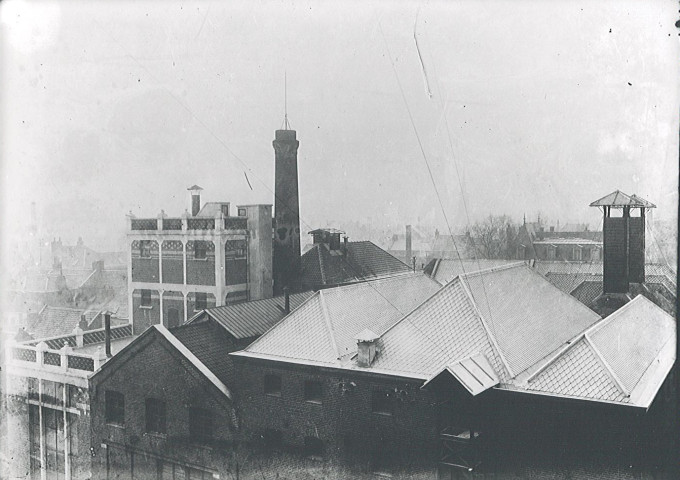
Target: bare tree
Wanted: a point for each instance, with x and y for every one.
(492, 237)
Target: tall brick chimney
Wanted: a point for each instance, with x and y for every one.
(409, 248)
(286, 212)
(623, 240)
(195, 192)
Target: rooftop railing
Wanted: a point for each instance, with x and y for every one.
(62, 360)
(188, 223)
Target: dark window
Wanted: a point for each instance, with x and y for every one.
(313, 391)
(173, 317)
(146, 298)
(241, 212)
(313, 447)
(199, 250)
(200, 423)
(225, 210)
(382, 403)
(145, 248)
(115, 407)
(155, 415)
(272, 385)
(201, 301)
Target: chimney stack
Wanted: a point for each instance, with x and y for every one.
(623, 239)
(195, 192)
(409, 248)
(107, 333)
(366, 342)
(286, 211)
(286, 293)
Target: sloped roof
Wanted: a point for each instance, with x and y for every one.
(210, 209)
(446, 269)
(619, 199)
(323, 329)
(363, 260)
(474, 373)
(576, 241)
(251, 319)
(454, 244)
(209, 343)
(578, 373)
(631, 338)
(56, 321)
(528, 316)
(624, 358)
(568, 282)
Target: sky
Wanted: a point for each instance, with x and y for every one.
(404, 110)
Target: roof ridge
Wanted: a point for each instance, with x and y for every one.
(606, 366)
(314, 295)
(496, 268)
(329, 324)
(489, 334)
(321, 266)
(175, 342)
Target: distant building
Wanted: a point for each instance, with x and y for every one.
(536, 241)
(180, 266)
(332, 261)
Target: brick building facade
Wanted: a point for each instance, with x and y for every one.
(180, 266)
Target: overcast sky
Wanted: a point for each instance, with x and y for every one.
(520, 107)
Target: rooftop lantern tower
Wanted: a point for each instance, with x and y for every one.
(623, 231)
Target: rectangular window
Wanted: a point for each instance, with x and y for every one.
(241, 212)
(272, 385)
(145, 248)
(115, 407)
(225, 209)
(200, 423)
(313, 391)
(382, 403)
(199, 250)
(201, 301)
(155, 415)
(146, 298)
(577, 254)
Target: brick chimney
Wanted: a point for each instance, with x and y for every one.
(409, 248)
(195, 192)
(366, 342)
(286, 212)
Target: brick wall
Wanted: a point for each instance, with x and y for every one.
(201, 271)
(344, 420)
(145, 316)
(144, 261)
(173, 261)
(159, 372)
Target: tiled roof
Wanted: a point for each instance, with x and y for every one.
(578, 373)
(587, 291)
(251, 319)
(567, 282)
(528, 316)
(624, 358)
(631, 338)
(363, 260)
(323, 329)
(56, 321)
(446, 269)
(441, 331)
(209, 343)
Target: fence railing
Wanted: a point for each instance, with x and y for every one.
(64, 359)
(188, 223)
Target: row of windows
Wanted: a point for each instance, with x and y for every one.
(200, 249)
(155, 414)
(382, 401)
(200, 302)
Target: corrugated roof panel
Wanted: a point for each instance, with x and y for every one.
(251, 319)
(475, 374)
